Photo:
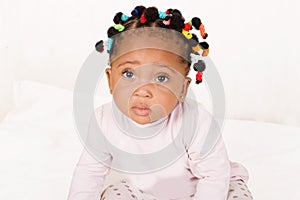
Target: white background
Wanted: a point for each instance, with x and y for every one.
(254, 45)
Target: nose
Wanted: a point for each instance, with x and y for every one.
(143, 92)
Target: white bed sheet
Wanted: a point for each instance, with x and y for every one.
(39, 148)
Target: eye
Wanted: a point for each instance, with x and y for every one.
(128, 74)
(162, 78)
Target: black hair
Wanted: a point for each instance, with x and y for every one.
(151, 17)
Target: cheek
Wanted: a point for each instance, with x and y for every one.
(121, 95)
(166, 98)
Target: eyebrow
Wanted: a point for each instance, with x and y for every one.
(129, 62)
(167, 67)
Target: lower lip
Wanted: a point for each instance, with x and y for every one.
(141, 111)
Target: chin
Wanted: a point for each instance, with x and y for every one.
(142, 121)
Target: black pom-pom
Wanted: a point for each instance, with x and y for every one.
(197, 81)
(196, 22)
(117, 18)
(169, 11)
(112, 31)
(173, 11)
(151, 14)
(199, 66)
(195, 38)
(177, 22)
(99, 46)
(138, 11)
(204, 45)
(177, 11)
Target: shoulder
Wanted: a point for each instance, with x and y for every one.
(103, 110)
(196, 110)
(202, 124)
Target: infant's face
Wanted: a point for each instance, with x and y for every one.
(147, 84)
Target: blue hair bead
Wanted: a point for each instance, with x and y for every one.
(124, 17)
(110, 43)
(162, 15)
(136, 11)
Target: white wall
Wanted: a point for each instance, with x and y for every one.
(254, 45)
(6, 74)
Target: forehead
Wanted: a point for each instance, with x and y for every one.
(156, 58)
(149, 38)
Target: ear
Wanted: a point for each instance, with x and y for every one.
(108, 75)
(185, 87)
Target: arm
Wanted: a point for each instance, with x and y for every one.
(213, 172)
(93, 165)
(88, 178)
(213, 168)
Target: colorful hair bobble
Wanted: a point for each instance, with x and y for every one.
(119, 27)
(202, 32)
(199, 67)
(151, 14)
(138, 11)
(177, 22)
(205, 47)
(199, 77)
(162, 15)
(187, 34)
(120, 18)
(187, 26)
(173, 11)
(112, 31)
(196, 48)
(99, 46)
(124, 17)
(170, 19)
(167, 22)
(109, 44)
(143, 19)
(196, 22)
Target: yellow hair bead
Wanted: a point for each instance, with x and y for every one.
(187, 34)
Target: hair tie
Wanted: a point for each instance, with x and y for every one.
(99, 46)
(119, 27)
(205, 47)
(187, 26)
(196, 22)
(187, 34)
(162, 15)
(109, 44)
(199, 77)
(199, 66)
(167, 22)
(143, 19)
(136, 11)
(124, 17)
(196, 48)
(202, 31)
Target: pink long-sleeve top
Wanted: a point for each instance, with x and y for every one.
(170, 163)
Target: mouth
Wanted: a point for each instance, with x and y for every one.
(141, 110)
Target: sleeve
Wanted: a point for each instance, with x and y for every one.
(93, 165)
(88, 178)
(212, 168)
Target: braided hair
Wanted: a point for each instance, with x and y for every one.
(171, 19)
